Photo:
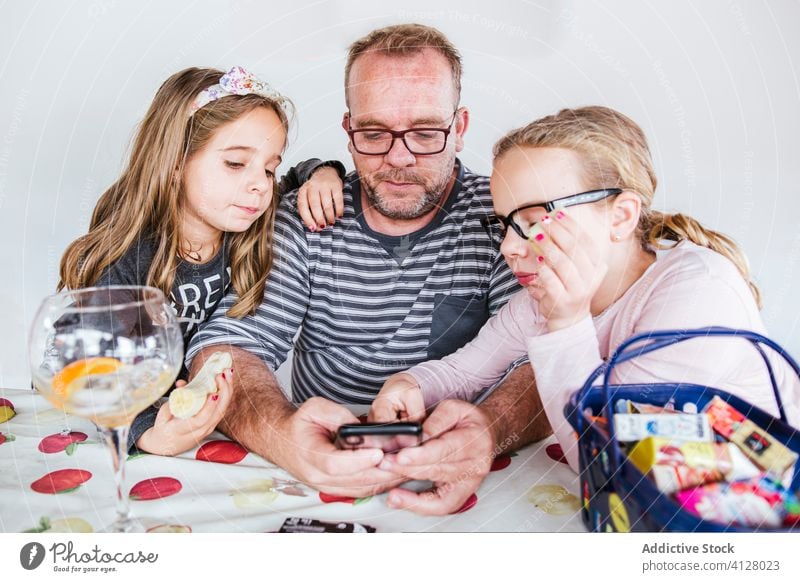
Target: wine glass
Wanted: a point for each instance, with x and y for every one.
(106, 354)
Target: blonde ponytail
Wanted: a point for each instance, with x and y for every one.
(656, 227)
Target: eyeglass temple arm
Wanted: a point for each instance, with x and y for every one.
(592, 196)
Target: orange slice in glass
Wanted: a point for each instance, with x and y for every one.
(65, 381)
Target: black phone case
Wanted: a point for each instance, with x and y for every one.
(392, 428)
(387, 436)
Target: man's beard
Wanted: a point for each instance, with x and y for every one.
(422, 204)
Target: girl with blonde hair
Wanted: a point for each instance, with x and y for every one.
(573, 193)
(192, 214)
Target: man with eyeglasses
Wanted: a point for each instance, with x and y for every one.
(406, 275)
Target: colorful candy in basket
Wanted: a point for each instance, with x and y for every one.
(665, 470)
(756, 443)
(758, 503)
(733, 482)
(676, 465)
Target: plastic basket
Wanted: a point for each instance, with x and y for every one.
(616, 496)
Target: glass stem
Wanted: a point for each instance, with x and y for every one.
(117, 441)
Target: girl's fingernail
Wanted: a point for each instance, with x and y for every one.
(540, 258)
(539, 237)
(313, 228)
(322, 226)
(560, 215)
(546, 219)
(215, 397)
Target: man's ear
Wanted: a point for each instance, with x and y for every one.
(346, 127)
(462, 123)
(625, 212)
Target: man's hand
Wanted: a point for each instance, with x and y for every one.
(457, 454)
(303, 445)
(299, 440)
(463, 440)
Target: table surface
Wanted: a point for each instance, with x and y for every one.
(219, 487)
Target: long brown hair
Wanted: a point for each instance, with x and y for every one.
(615, 155)
(147, 199)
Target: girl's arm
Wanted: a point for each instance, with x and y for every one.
(143, 422)
(302, 173)
(562, 360)
(320, 199)
(690, 296)
(131, 269)
(483, 361)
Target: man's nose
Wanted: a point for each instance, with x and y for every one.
(399, 155)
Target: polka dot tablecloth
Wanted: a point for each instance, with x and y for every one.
(55, 475)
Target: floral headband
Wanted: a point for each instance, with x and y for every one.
(238, 81)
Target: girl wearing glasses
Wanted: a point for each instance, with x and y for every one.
(573, 194)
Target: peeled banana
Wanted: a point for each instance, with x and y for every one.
(187, 401)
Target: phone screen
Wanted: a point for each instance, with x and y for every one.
(388, 437)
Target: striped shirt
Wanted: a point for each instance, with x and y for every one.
(368, 305)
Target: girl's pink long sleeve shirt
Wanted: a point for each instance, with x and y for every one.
(688, 286)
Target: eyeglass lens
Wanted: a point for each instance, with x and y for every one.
(417, 141)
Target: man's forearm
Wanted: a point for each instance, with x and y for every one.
(516, 411)
(257, 405)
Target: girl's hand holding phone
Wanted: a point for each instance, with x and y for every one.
(569, 272)
(399, 399)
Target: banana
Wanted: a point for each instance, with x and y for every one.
(187, 401)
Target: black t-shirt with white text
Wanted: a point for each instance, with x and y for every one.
(196, 291)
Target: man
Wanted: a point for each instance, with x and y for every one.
(407, 274)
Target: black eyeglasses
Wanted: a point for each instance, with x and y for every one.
(524, 217)
(420, 141)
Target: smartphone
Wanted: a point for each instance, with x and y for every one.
(389, 437)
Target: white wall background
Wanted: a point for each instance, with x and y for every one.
(713, 83)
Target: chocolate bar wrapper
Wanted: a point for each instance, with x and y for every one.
(755, 442)
(308, 525)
